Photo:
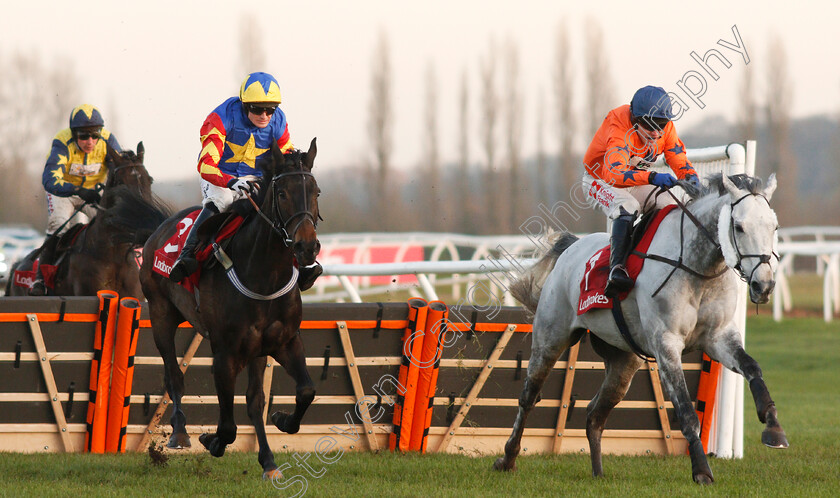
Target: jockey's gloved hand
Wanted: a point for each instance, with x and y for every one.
(90, 196)
(243, 185)
(662, 180)
(693, 181)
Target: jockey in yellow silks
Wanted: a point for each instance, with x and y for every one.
(75, 167)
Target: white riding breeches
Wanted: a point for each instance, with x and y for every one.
(221, 197)
(638, 199)
(60, 209)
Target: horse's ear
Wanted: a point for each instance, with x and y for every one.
(277, 160)
(311, 153)
(112, 153)
(730, 186)
(771, 186)
(140, 151)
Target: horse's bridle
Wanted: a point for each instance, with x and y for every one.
(762, 258)
(279, 225)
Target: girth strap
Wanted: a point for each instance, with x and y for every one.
(618, 316)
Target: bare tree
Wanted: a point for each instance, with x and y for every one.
(513, 104)
(747, 117)
(489, 124)
(28, 84)
(781, 158)
(436, 207)
(563, 91)
(251, 52)
(380, 127)
(599, 98)
(541, 174)
(462, 194)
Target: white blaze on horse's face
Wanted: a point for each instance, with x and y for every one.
(748, 237)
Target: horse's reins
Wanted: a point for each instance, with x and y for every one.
(678, 263)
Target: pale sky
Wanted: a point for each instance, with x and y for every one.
(156, 69)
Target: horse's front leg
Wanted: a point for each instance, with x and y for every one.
(729, 352)
(671, 374)
(225, 370)
(165, 323)
(255, 397)
(293, 359)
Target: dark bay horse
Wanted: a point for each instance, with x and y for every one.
(250, 319)
(735, 229)
(102, 254)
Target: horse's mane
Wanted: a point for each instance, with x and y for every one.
(131, 218)
(269, 168)
(714, 186)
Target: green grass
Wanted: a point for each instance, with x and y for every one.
(801, 363)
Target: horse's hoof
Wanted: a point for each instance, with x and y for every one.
(281, 420)
(501, 465)
(273, 474)
(179, 441)
(774, 438)
(212, 444)
(704, 479)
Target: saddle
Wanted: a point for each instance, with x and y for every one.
(25, 274)
(217, 229)
(598, 266)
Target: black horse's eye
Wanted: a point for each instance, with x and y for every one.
(282, 195)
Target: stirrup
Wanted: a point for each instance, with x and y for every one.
(619, 281)
(38, 288)
(184, 267)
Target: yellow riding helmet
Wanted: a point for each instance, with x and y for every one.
(260, 87)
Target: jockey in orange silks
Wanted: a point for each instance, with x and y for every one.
(617, 179)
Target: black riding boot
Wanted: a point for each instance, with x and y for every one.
(186, 264)
(308, 274)
(47, 257)
(619, 280)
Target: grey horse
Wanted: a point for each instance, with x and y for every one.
(694, 309)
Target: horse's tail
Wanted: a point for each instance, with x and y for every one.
(528, 288)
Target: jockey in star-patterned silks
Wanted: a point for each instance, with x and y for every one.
(233, 137)
(617, 178)
(77, 164)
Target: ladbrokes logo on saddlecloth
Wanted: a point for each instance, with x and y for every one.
(593, 299)
(24, 278)
(161, 266)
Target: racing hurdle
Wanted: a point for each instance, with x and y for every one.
(354, 352)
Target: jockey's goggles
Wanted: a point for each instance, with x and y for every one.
(652, 124)
(257, 110)
(87, 135)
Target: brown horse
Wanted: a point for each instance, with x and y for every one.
(101, 254)
(243, 324)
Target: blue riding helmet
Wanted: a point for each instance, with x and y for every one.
(652, 102)
(260, 87)
(86, 116)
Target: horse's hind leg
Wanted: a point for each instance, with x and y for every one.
(293, 359)
(255, 397)
(165, 320)
(619, 368)
(543, 358)
(732, 355)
